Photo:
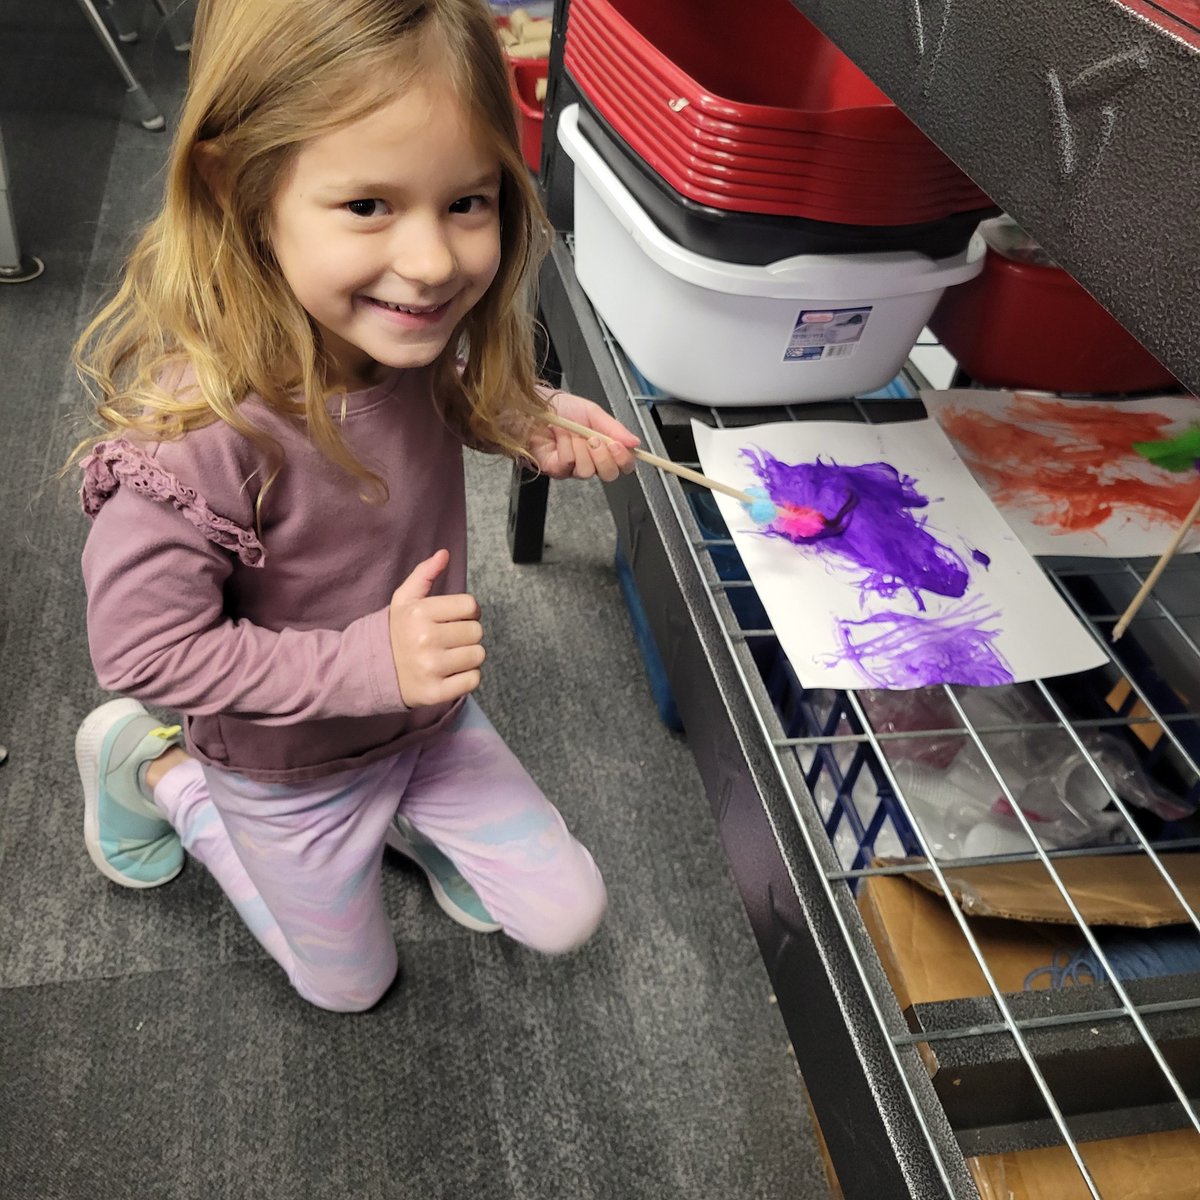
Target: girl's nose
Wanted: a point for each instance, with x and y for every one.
(424, 256)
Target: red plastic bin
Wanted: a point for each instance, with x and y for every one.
(530, 117)
(1028, 325)
(738, 237)
(619, 74)
(633, 99)
(853, 203)
(646, 66)
(822, 176)
(743, 69)
(884, 202)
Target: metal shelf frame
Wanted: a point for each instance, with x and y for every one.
(867, 1082)
(863, 1060)
(887, 1132)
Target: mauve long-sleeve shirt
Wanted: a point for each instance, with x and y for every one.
(275, 648)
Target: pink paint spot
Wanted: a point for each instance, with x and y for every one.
(798, 522)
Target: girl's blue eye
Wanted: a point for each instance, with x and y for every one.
(364, 208)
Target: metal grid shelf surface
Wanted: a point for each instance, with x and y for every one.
(808, 735)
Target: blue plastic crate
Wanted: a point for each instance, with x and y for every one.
(862, 816)
(656, 671)
(858, 805)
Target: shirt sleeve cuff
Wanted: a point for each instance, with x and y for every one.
(370, 638)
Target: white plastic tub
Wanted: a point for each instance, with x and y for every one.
(813, 327)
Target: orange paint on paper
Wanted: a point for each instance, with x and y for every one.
(1071, 467)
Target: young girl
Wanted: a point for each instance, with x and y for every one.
(332, 301)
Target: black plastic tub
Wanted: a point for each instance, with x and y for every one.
(755, 238)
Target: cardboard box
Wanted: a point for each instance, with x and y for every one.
(1019, 921)
(1152, 1166)
(1018, 917)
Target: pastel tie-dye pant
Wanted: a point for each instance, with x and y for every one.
(302, 864)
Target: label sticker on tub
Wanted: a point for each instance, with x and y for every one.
(823, 333)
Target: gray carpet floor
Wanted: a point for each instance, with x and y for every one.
(148, 1048)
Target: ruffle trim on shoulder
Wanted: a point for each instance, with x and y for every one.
(117, 464)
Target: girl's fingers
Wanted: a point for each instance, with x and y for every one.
(608, 427)
(623, 457)
(453, 686)
(462, 659)
(463, 684)
(460, 633)
(585, 467)
(575, 456)
(604, 458)
(452, 609)
(564, 442)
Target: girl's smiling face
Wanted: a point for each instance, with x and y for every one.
(388, 231)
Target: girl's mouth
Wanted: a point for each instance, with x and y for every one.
(409, 316)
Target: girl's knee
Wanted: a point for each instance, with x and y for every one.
(346, 991)
(572, 924)
(343, 1000)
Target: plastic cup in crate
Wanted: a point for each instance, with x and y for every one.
(525, 74)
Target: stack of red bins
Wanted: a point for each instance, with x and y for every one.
(703, 113)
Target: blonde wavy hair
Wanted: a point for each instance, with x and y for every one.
(201, 291)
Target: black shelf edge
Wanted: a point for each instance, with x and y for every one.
(862, 1097)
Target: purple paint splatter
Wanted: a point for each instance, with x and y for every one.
(898, 650)
(882, 536)
(982, 559)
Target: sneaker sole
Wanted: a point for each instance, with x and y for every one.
(88, 743)
(452, 910)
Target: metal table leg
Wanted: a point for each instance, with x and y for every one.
(148, 115)
(530, 492)
(181, 39)
(527, 500)
(15, 267)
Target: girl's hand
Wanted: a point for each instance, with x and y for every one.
(564, 455)
(436, 640)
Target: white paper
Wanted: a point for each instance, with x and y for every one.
(816, 598)
(1034, 477)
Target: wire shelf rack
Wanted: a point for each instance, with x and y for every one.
(839, 756)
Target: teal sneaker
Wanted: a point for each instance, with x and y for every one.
(455, 896)
(127, 838)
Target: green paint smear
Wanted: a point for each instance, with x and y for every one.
(1173, 454)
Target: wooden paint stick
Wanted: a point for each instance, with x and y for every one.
(1155, 575)
(653, 460)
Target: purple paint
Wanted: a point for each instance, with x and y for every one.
(982, 559)
(881, 534)
(898, 650)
